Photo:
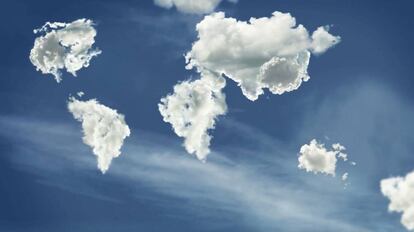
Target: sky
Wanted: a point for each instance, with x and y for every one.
(57, 173)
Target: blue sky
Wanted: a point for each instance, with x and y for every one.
(359, 94)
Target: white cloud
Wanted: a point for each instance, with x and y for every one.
(322, 40)
(345, 176)
(192, 110)
(191, 6)
(270, 53)
(400, 192)
(64, 46)
(80, 94)
(343, 156)
(338, 147)
(104, 129)
(314, 157)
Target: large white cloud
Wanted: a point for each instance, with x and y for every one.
(192, 110)
(400, 192)
(104, 129)
(64, 46)
(269, 52)
(191, 6)
(315, 157)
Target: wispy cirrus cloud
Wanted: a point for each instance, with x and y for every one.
(253, 182)
(253, 186)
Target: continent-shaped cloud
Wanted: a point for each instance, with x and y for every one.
(64, 46)
(192, 110)
(191, 6)
(104, 130)
(400, 192)
(261, 53)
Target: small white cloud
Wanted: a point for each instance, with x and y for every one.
(104, 129)
(314, 157)
(322, 40)
(191, 6)
(400, 192)
(192, 110)
(64, 46)
(345, 176)
(262, 53)
(343, 156)
(340, 148)
(80, 94)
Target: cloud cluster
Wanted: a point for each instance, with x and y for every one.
(104, 129)
(191, 6)
(192, 110)
(400, 192)
(262, 53)
(270, 53)
(64, 46)
(314, 157)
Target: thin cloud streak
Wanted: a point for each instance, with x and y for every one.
(232, 186)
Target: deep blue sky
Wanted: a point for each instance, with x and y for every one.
(360, 94)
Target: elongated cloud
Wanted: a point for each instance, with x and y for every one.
(315, 157)
(104, 129)
(191, 6)
(262, 53)
(64, 46)
(192, 110)
(400, 192)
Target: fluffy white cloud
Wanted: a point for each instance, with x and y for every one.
(64, 46)
(400, 192)
(322, 40)
(104, 129)
(191, 6)
(192, 110)
(314, 157)
(270, 53)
